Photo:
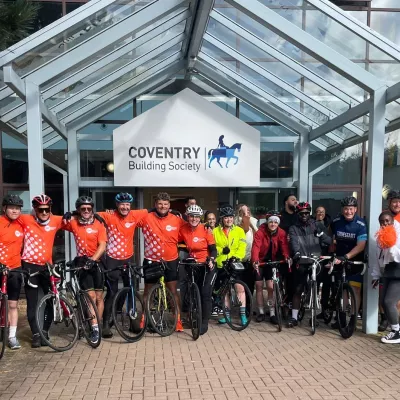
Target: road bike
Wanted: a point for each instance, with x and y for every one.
(161, 307)
(279, 303)
(232, 295)
(3, 309)
(309, 299)
(343, 299)
(192, 295)
(128, 312)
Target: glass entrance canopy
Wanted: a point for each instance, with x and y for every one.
(305, 75)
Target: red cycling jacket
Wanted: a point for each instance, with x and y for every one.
(262, 238)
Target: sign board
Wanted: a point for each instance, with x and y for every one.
(186, 141)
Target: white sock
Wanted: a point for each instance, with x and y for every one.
(12, 331)
(271, 311)
(295, 313)
(261, 310)
(395, 327)
(95, 327)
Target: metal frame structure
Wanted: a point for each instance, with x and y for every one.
(105, 53)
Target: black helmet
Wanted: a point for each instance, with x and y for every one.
(84, 200)
(12, 200)
(349, 201)
(393, 194)
(226, 211)
(123, 198)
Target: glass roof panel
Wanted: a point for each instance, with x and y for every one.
(9, 103)
(76, 34)
(392, 111)
(344, 133)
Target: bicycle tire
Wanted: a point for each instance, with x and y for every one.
(123, 297)
(84, 301)
(347, 330)
(314, 294)
(195, 311)
(302, 308)
(69, 321)
(328, 314)
(159, 321)
(3, 323)
(278, 306)
(249, 305)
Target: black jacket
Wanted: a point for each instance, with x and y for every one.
(302, 239)
(287, 220)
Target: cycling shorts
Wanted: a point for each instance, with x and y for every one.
(170, 274)
(265, 273)
(355, 280)
(14, 284)
(90, 279)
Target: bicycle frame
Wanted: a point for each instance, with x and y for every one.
(3, 292)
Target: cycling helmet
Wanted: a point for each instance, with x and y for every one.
(123, 198)
(305, 205)
(349, 201)
(12, 200)
(42, 200)
(84, 200)
(226, 211)
(194, 210)
(273, 213)
(393, 194)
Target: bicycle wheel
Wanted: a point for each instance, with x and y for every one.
(347, 310)
(57, 322)
(278, 306)
(129, 317)
(302, 308)
(162, 310)
(238, 305)
(313, 306)
(88, 313)
(195, 312)
(3, 323)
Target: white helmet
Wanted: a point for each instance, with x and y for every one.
(194, 210)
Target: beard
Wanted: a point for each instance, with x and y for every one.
(291, 207)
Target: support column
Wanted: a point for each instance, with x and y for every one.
(35, 141)
(376, 147)
(302, 192)
(73, 177)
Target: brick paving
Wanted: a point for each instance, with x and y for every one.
(259, 363)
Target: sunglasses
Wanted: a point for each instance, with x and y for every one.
(85, 209)
(43, 210)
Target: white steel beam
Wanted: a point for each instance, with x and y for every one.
(289, 62)
(393, 93)
(306, 42)
(342, 120)
(12, 132)
(393, 125)
(304, 150)
(18, 86)
(200, 25)
(258, 102)
(277, 81)
(127, 27)
(376, 150)
(358, 28)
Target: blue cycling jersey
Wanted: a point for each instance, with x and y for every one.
(348, 233)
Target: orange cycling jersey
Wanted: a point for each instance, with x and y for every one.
(121, 232)
(39, 239)
(11, 239)
(161, 236)
(197, 241)
(87, 237)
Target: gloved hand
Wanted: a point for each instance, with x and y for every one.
(89, 263)
(296, 257)
(375, 283)
(341, 259)
(319, 230)
(67, 216)
(226, 250)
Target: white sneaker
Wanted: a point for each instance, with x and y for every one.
(13, 343)
(391, 337)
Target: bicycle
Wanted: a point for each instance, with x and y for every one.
(309, 299)
(3, 309)
(343, 299)
(161, 307)
(195, 310)
(278, 289)
(128, 312)
(84, 305)
(228, 298)
(59, 315)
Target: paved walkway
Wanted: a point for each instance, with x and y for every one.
(259, 363)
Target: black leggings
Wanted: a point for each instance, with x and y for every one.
(389, 299)
(111, 282)
(205, 279)
(42, 280)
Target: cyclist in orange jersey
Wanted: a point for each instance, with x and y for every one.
(11, 240)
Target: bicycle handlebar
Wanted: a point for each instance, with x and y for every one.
(347, 262)
(135, 268)
(271, 263)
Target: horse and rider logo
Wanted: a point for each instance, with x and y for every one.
(223, 151)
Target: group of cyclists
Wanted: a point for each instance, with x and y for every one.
(105, 240)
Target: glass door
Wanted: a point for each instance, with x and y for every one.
(258, 200)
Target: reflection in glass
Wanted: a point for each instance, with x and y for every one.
(276, 160)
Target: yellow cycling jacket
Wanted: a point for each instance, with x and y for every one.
(236, 241)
